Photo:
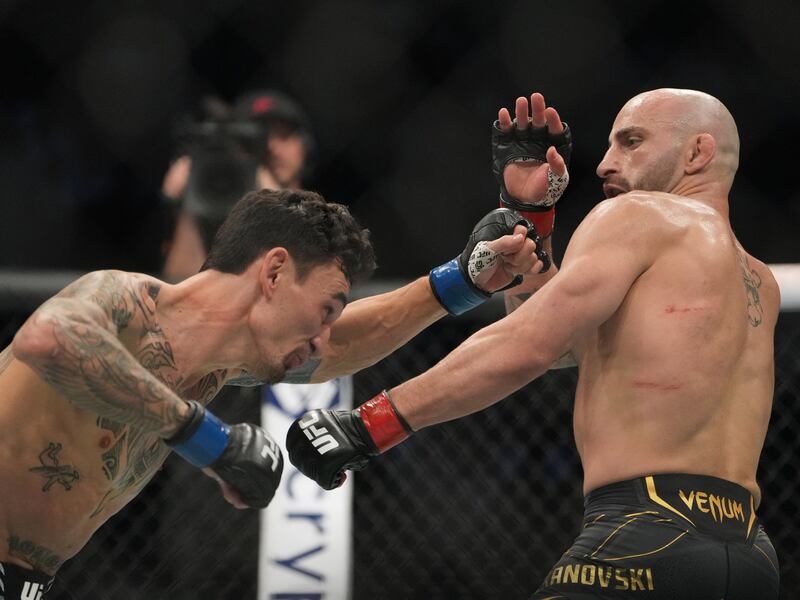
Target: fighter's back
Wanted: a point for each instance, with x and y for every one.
(680, 378)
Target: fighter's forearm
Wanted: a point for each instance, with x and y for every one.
(371, 328)
(531, 284)
(488, 366)
(88, 364)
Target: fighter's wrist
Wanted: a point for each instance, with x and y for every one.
(384, 424)
(543, 217)
(454, 290)
(202, 439)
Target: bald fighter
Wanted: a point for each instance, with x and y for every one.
(670, 322)
(115, 371)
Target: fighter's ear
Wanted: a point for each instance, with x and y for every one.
(273, 270)
(700, 152)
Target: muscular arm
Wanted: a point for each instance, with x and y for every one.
(604, 258)
(371, 328)
(72, 341)
(530, 285)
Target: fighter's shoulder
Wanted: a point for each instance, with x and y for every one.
(658, 214)
(630, 216)
(658, 206)
(109, 280)
(123, 296)
(767, 282)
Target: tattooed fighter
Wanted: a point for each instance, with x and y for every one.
(113, 372)
(671, 325)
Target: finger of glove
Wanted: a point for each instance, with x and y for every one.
(340, 476)
(556, 161)
(520, 260)
(562, 141)
(521, 113)
(554, 124)
(508, 244)
(250, 485)
(504, 120)
(228, 491)
(538, 110)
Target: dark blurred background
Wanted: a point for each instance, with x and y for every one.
(400, 95)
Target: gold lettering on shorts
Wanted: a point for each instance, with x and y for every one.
(715, 504)
(622, 581)
(738, 511)
(649, 573)
(588, 574)
(701, 498)
(620, 578)
(720, 507)
(636, 579)
(571, 573)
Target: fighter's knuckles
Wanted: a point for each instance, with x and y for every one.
(507, 244)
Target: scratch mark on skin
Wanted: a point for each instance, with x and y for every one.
(652, 385)
(671, 309)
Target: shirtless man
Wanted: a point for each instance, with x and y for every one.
(114, 371)
(671, 325)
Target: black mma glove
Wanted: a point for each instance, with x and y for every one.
(453, 283)
(323, 444)
(243, 455)
(531, 143)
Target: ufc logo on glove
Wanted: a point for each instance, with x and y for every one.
(318, 436)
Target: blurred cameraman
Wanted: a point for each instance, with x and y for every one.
(263, 141)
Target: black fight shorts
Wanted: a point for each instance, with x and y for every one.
(667, 537)
(17, 583)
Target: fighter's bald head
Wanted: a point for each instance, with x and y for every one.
(690, 112)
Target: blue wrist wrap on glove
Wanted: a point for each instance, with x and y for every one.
(454, 293)
(207, 443)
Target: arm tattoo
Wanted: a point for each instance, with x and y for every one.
(91, 366)
(99, 375)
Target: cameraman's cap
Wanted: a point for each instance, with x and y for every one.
(269, 105)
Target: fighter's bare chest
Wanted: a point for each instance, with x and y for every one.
(130, 456)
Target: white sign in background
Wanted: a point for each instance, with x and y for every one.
(306, 539)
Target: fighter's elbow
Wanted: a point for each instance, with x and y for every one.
(525, 366)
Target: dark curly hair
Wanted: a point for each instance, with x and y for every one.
(314, 232)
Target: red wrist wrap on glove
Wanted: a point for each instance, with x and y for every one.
(543, 221)
(385, 425)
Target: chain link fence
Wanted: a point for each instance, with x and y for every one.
(476, 508)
